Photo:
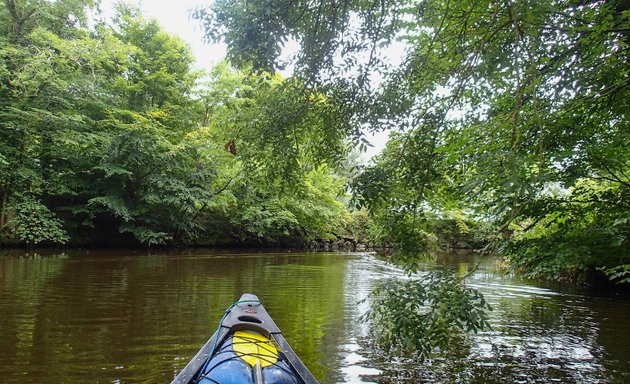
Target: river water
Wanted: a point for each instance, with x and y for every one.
(138, 317)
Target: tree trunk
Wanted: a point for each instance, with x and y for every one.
(3, 208)
(17, 20)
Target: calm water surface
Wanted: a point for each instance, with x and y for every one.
(125, 317)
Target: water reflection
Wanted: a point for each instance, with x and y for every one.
(538, 335)
(124, 317)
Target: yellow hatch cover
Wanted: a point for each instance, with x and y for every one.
(254, 348)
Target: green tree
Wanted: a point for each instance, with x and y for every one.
(512, 113)
(77, 144)
(283, 189)
(109, 136)
(36, 108)
(497, 103)
(148, 180)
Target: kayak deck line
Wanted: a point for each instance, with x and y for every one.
(247, 348)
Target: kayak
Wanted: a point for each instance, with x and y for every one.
(247, 348)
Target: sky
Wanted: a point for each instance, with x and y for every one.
(173, 16)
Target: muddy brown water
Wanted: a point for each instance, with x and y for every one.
(139, 316)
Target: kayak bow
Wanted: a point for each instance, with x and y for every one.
(247, 348)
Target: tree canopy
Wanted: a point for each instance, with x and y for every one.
(511, 112)
(109, 136)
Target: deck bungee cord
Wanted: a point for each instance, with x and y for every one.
(231, 348)
(260, 356)
(217, 333)
(225, 314)
(205, 376)
(246, 348)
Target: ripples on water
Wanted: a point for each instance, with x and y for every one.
(537, 335)
(119, 317)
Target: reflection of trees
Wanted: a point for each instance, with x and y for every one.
(305, 298)
(140, 318)
(537, 335)
(20, 295)
(613, 333)
(97, 316)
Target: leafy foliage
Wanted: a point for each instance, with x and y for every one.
(511, 114)
(413, 202)
(34, 223)
(619, 274)
(493, 106)
(421, 315)
(588, 230)
(119, 141)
